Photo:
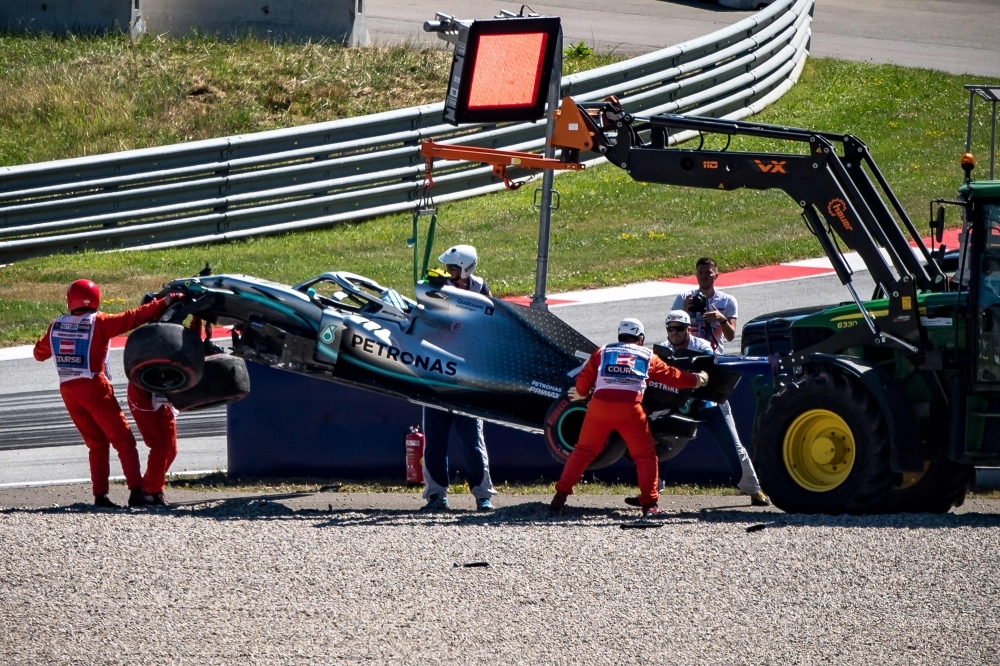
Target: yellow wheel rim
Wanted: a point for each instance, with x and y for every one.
(819, 450)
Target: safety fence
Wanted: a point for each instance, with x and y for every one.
(322, 174)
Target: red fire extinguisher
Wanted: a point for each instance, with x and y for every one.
(414, 444)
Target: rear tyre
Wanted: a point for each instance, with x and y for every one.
(942, 485)
(666, 448)
(225, 380)
(671, 433)
(823, 447)
(669, 446)
(563, 423)
(163, 357)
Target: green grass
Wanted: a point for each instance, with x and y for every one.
(71, 96)
(218, 481)
(609, 229)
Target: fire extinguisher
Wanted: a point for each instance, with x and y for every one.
(414, 445)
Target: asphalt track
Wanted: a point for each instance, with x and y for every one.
(957, 36)
(34, 416)
(37, 419)
(38, 442)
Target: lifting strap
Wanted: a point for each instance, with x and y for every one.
(425, 206)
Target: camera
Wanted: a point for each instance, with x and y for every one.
(698, 303)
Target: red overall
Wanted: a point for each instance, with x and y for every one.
(81, 347)
(158, 427)
(620, 372)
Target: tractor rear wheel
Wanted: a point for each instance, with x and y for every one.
(942, 485)
(823, 447)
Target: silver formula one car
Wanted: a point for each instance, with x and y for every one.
(449, 349)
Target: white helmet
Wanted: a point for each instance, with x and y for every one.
(678, 317)
(463, 256)
(630, 326)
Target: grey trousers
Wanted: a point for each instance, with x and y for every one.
(437, 427)
(719, 423)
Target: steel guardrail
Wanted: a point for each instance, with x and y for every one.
(322, 174)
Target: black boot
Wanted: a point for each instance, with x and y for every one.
(103, 502)
(558, 503)
(156, 499)
(137, 498)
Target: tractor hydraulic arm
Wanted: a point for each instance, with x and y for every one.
(837, 197)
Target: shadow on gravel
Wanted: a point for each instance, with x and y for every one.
(270, 508)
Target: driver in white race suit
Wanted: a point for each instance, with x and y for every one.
(460, 261)
(718, 419)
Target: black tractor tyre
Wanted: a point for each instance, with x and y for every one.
(563, 423)
(943, 485)
(861, 487)
(162, 357)
(224, 381)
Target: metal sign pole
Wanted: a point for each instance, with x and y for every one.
(993, 140)
(545, 208)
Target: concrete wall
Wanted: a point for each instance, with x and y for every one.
(340, 21)
(65, 15)
(332, 20)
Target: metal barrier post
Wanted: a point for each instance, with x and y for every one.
(545, 209)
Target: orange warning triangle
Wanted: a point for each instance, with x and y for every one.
(722, 186)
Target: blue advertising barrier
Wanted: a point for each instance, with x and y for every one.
(293, 425)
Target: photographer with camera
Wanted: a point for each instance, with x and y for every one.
(717, 418)
(713, 313)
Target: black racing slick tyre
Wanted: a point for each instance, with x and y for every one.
(225, 380)
(822, 446)
(563, 423)
(163, 357)
(668, 447)
(941, 486)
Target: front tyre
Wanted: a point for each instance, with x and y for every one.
(823, 447)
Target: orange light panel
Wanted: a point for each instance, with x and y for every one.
(507, 71)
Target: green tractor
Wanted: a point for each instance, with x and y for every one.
(872, 406)
(863, 427)
(882, 405)
(879, 405)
